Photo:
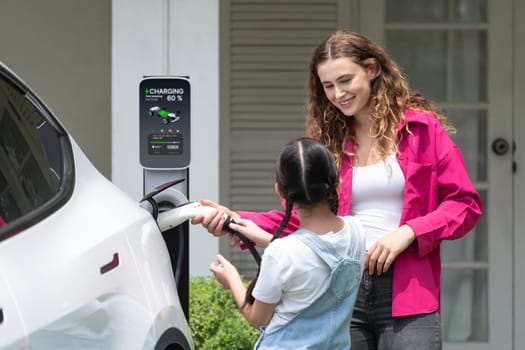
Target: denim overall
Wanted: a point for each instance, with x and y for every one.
(325, 324)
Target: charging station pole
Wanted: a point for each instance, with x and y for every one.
(165, 153)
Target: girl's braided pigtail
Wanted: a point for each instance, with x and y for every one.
(249, 299)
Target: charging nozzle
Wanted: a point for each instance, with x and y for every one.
(249, 244)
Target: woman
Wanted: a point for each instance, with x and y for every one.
(401, 175)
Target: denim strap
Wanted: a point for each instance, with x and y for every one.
(323, 249)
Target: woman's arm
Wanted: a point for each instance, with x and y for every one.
(459, 206)
(439, 205)
(268, 221)
(453, 205)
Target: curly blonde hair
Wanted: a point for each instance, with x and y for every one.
(389, 97)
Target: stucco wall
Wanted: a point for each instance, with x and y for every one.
(62, 49)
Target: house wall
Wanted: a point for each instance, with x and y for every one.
(62, 49)
(161, 37)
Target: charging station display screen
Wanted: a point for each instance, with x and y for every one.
(164, 144)
(164, 122)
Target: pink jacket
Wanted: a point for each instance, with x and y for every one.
(439, 203)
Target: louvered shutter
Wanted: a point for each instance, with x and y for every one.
(265, 51)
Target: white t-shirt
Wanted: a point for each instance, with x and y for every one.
(377, 197)
(293, 276)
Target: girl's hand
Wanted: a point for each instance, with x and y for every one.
(225, 273)
(383, 252)
(214, 221)
(258, 313)
(253, 232)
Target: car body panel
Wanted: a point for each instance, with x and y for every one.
(94, 274)
(11, 326)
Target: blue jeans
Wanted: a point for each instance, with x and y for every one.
(374, 328)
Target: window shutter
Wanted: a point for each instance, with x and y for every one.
(265, 51)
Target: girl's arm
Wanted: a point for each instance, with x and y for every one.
(268, 221)
(252, 231)
(257, 314)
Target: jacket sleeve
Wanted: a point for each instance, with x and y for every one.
(270, 220)
(458, 205)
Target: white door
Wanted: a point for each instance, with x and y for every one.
(458, 53)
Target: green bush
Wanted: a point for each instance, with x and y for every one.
(215, 321)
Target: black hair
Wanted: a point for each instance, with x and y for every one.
(306, 174)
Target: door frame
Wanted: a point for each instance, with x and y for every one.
(502, 121)
(519, 175)
(500, 191)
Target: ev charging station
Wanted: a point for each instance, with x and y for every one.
(165, 153)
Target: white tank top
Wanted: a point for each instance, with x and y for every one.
(377, 197)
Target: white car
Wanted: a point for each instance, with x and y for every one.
(82, 265)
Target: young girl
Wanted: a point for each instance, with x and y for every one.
(307, 283)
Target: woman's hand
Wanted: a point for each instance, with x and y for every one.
(214, 221)
(253, 232)
(225, 273)
(383, 252)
